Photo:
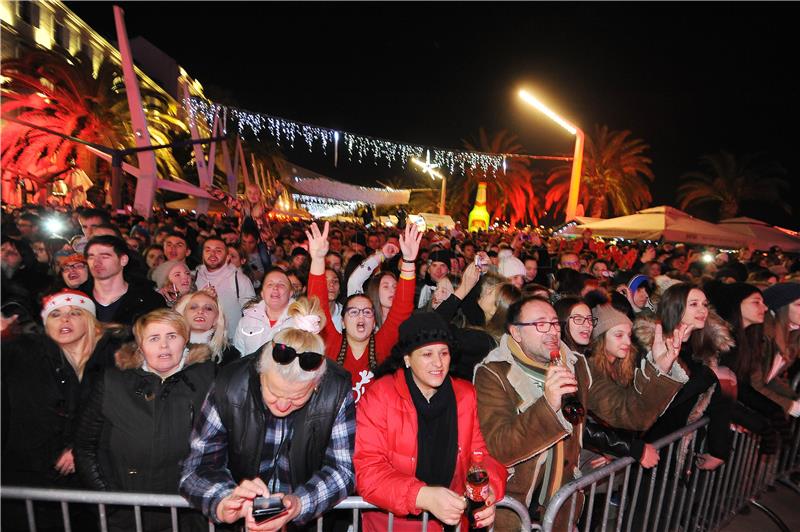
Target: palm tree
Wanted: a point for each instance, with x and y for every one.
(613, 177)
(510, 194)
(729, 182)
(46, 89)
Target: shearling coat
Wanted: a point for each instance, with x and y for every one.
(521, 428)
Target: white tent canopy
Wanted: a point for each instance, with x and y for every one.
(762, 236)
(667, 223)
(314, 184)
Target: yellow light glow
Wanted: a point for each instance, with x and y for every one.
(425, 167)
(529, 98)
(7, 12)
(43, 37)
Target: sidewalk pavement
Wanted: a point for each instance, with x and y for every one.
(783, 501)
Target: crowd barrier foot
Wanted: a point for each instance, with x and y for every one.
(772, 515)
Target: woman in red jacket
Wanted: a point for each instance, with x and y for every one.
(416, 431)
(358, 348)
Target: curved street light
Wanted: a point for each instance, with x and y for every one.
(577, 160)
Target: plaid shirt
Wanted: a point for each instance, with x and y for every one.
(206, 479)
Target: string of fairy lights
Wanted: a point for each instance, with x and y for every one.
(359, 148)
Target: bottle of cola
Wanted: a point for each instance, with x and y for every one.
(571, 406)
(477, 489)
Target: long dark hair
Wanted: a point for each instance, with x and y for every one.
(746, 356)
(564, 308)
(670, 311)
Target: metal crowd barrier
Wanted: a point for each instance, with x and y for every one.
(102, 499)
(675, 495)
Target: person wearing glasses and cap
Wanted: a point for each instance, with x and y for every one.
(520, 396)
(280, 422)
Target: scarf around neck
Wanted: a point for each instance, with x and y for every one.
(437, 432)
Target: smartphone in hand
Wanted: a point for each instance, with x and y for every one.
(268, 508)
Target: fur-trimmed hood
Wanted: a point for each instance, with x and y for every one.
(719, 335)
(129, 356)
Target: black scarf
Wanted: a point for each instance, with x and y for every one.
(437, 433)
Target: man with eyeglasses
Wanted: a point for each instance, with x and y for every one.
(277, 423)
(520, 396)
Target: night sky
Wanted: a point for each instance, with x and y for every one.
(687, 78)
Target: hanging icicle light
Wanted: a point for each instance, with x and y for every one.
(360, 148)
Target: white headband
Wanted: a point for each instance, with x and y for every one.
(65, 298)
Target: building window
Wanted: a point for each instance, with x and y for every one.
(29, 12)
(61, 35)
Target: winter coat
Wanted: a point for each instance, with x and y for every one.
(386, 451)
(134, 432)
(254, 329)
(701, 394)
(42, 402)
(524, 432)
(637, 406)
(777, 389)
(385, 337)
(472, 345)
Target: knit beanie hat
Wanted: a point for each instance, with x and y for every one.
(422, 328)
(161, 272)
(726, 298)
(510, 266)
(441, 255)
(781, 294)
(607, 318)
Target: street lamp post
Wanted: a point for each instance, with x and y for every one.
(577, 160)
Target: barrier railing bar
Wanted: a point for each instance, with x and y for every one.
(65, 516)
(424, 521)
(718, 495)
(101, 510)
(572, 508)
(31, 516)
(589, 508)
(653, 474)
(727, 495)
(606, 504)
(635, 496)
(673, 493)
(663, 487)
(137, 513)
(173, 513)
(623, 499)
(690, 495)
(355, 519)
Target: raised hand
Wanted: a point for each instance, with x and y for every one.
(666, 350)
(318, 241)
(409, 242)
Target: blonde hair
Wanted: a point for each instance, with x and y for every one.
(162, 315)
(620, 371)
(299, 340)
(94, 329)
(219, 340)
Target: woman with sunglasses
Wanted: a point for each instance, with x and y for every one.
(46, 380)
(416, 432)
(135, 429)
(358, 348)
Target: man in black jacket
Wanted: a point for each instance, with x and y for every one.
(270, 427)
(118, 300)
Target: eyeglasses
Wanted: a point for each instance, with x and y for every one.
(580, 320)
(74, 266)
(284, 354)
(542, 326)
(354, 312)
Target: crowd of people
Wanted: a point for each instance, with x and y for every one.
(233, 357)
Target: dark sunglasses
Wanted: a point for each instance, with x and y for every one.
(283, 354)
